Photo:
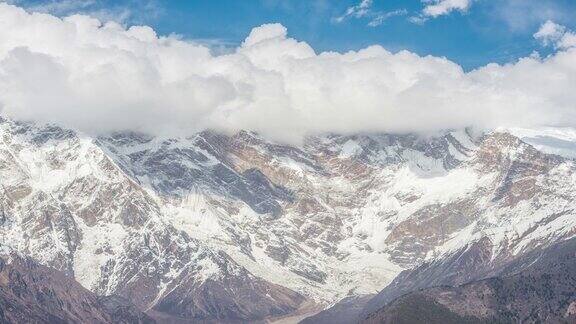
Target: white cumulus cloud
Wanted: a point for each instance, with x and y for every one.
(99, 78)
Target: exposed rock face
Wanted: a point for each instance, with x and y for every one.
(164, 222)
(535, 288)
(33, 293)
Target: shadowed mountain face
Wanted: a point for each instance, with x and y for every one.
(468, 286)
(32, 293)
(346, 311)
(535, 288)
(237, 228)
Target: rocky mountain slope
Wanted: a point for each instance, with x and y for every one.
(69, 206)
(33, 293)
(346, 311)
(235, 227)
(535, 288)
(471, 285)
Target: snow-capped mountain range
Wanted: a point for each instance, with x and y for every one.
(236, 227)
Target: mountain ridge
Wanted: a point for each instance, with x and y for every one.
(152, 218)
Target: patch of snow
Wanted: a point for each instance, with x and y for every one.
(350, 149)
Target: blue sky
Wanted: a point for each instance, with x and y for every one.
(487, 31)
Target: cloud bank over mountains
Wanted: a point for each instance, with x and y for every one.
(102, 77)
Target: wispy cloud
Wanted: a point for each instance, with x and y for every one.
(133, 12)
(62, 7)
(365, 10)
(523, 16)
(358, 11)
(553, 34)
(380, 17)
(437, 8)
